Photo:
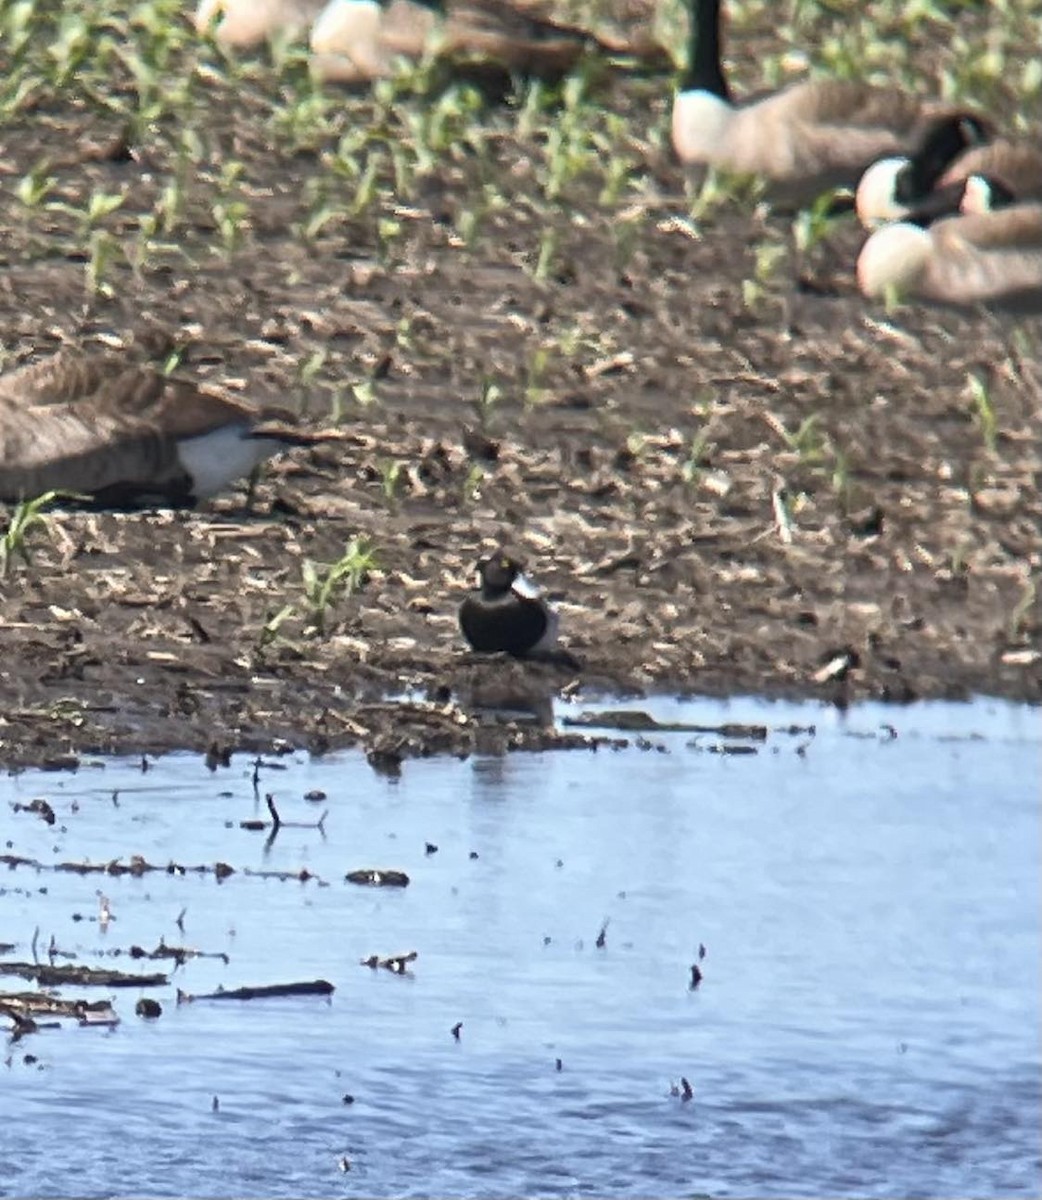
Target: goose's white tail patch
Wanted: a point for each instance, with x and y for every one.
(216, 459)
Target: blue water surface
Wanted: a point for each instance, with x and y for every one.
(868, 1023)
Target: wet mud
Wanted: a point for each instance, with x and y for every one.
(725, 489)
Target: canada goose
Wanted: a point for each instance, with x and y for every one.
(803, 140)
(245, 23)
(507, 613)
(992, 258)
(358, 40)
(936, 175)
(129, 436)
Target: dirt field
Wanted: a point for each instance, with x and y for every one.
(533, 342)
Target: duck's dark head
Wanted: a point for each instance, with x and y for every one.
(497, 573)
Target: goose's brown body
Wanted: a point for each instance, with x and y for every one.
(359, 40)
(801, 141)
(355, 41)
(245, 23)
(992, 258)
(1017, 166)
(129, 435)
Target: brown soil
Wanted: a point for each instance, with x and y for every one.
(914, 551)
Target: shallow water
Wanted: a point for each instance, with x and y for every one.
(868, 1022)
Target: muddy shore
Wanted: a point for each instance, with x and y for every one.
(772, 489)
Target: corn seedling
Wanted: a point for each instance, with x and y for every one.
(27, 516)
(841, 478)
(1025, 606)
(390, 480)
(808, 442)
(269, 631)
(547, 249)
(33, 189)
(472, 484)
(312, 365)
(102, 248)
(536, 390)
(230, 217)
(812, 225)
(490, 395)
(388, 231)
(699, 452)
(324, 585)
(364, 392)
(983, 411)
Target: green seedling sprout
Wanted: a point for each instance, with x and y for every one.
(324, 585)
(983, 411)
(27, 516)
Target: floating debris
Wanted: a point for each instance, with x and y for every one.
(638, 721)
(24, 1007)
(397, 964)
(38, 807)
(314, 987)
(51, 976)
(371, 877)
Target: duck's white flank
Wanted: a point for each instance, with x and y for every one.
(526, 587)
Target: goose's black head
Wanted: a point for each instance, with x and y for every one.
(944, 141)
(977, 194)
(497, 574)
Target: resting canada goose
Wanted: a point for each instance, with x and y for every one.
(507, 613)
(993, 258)
(245, 23)
(359, 40)
(801, 141)
(129, 436)
(935, 178)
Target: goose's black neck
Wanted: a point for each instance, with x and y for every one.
(942, 145)
(935, 205)
(705, 72)
(999, 195)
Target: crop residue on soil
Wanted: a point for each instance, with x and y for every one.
(730, 472)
